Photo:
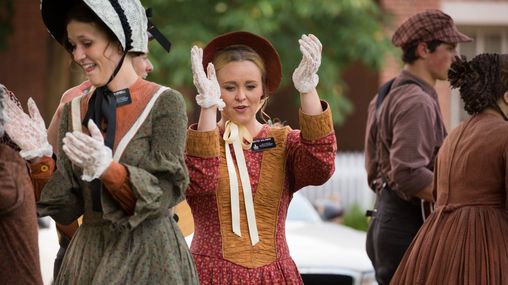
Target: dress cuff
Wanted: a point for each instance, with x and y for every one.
(43, 169)
(316, 126)
(114, 176)
(202, 144)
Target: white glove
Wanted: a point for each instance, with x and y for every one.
(208, 87)
(88, 152)
(304, 76)
(27, 131)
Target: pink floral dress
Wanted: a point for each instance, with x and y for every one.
(299, 158)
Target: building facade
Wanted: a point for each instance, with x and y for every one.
(35, 66)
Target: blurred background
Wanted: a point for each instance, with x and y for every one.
(357, 58)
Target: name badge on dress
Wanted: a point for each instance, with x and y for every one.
(262, 144)
(122, 97)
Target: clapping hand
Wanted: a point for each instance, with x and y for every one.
(88, 152)
(305, 76)
(28, 131)
(207, 86)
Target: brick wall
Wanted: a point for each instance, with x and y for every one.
(399, 11)
(24, 62)
(362, 85)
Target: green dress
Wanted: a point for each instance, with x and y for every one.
(111, 247)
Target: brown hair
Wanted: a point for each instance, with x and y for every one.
(80, 12)
(409, 52)
(481, 81)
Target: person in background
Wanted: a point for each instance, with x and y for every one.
(19, 261)
(465, 240)
(244, 172)
(402, 135)
(117, 168)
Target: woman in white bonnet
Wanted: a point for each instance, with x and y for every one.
(122, 165)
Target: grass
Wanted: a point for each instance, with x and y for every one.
(355, 218)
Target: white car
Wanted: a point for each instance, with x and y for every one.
(326, 253)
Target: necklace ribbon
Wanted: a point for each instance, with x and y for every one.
(241, 139)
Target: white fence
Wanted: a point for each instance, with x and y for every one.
(347, 186)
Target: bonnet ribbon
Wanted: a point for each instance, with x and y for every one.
(102, 106)
(237, 135)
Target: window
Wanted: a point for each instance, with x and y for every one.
(485, 40)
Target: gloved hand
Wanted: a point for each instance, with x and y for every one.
(208, 87)
(304, 76)
(28, 131)
(88, 152)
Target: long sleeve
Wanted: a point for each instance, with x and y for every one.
(116, 180)
(413, 146)
(61, 197)
(371, 156)
(10, 196)
(19, 261)
(202, 159)
(14, 180)
(154, 164)
(40, 173)
(311, 151)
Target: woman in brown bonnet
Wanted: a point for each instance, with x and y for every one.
(465, 241)
(243, 171)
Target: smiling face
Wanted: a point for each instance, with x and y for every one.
(93, 51)
(242, 91)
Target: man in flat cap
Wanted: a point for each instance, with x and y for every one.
(404, 130)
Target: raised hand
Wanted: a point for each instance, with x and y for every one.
(208, 87)
(28, 131)
(305, 76)
(88, 152)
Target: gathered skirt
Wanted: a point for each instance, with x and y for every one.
(215, 271)
(152, 253)
(465, 245)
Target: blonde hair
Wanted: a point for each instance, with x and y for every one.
(245, 53)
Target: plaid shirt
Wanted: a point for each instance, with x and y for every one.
(411, 129)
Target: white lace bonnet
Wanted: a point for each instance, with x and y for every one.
(126, 19)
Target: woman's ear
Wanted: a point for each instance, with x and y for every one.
(505, 97)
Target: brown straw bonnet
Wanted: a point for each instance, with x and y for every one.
(259, 44)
